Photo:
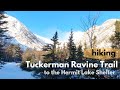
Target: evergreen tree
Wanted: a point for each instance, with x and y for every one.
(48, 54)
(71, 47)
(3, 37)
(51, 48)
(115, 39)
(79, 53)
(55, 42)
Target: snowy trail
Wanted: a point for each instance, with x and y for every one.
(13, 71)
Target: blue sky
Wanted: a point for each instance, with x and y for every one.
(45, 23)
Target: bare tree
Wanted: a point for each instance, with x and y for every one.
(89, 26)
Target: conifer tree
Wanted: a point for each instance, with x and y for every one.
(71, 47)
(52, 48)
(55, 42)
(79, 53)
(3, 37)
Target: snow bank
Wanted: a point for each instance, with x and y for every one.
(13, 71)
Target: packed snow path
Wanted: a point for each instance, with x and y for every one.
(13, 71)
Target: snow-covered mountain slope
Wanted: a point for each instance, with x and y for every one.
(46, 40)
(103, 34)
(21, 34)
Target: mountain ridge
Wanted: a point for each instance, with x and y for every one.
(103, 33)
(22, 35)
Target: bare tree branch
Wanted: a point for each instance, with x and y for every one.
(89, 25)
